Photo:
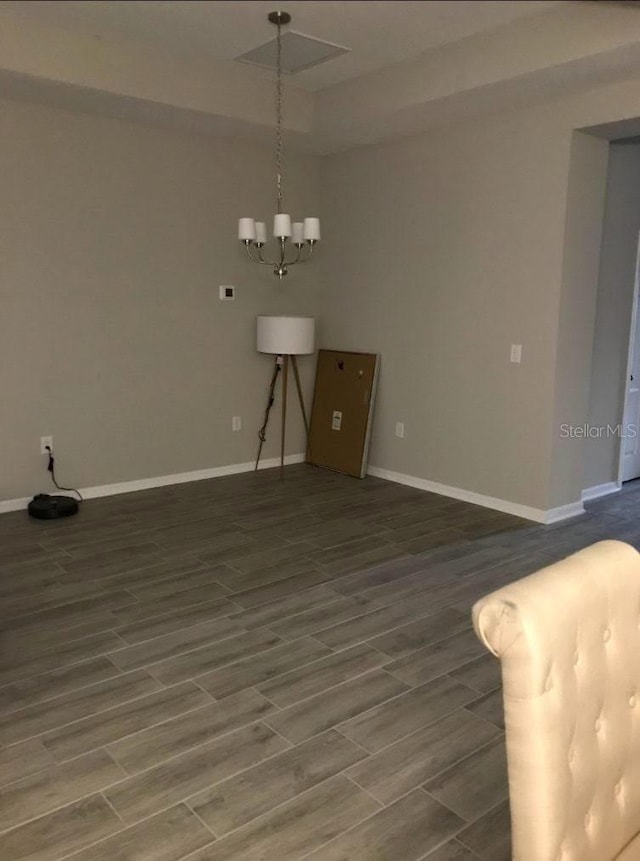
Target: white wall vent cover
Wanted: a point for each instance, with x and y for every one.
(298, 52)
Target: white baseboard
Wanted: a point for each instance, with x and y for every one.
(8, 505)
(563, 512)
(161, 481)
(599, 490)
(539, 515)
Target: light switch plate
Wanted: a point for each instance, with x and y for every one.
(516, 353)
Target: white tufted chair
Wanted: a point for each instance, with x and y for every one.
(568, 638)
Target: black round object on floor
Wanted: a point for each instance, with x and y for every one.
(46, 507)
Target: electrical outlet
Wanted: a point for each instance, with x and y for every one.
(516, 353)
(44, 442)
(236, 423)
(400, 430)
(227, 292)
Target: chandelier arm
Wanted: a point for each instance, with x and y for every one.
(259, 258)
(296, 259)
(299, 258)
(309, 253)
(283, 262)
(283, 259)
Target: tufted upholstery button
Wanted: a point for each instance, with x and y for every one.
(548, 683)
(618, 788)
(598, 725)
(606, 635)
(632, 702)
(576, 658)
(587, 820)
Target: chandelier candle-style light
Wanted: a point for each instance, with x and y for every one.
(303, 234)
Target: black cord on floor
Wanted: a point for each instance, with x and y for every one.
(262, 433)
(51, 468)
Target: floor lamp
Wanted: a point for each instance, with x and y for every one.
(285, 338)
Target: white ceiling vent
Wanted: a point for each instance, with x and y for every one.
(299, 52)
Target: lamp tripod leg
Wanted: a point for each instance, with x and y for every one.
(262, 433)
(301, 402)
(285, 376)
(300, 398)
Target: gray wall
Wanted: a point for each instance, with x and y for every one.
(114, 237)
(613, 317)
(439, 252)
(450, 247)
(586, 189)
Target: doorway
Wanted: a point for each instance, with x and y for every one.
(629, 465)
(611, 406)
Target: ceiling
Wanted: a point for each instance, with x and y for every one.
(378, 33)
(412, 64)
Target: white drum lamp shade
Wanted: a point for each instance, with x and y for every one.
(286, 336)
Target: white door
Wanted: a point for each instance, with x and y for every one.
(630, 442)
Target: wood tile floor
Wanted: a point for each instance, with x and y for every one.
(261, 668)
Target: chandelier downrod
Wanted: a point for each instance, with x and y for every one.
(279, 18)
(304, 235)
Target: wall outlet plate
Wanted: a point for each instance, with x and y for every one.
(227, 292)
(44, 442)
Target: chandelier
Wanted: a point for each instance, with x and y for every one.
(303, 234)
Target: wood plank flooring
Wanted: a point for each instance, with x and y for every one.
(261, 667)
